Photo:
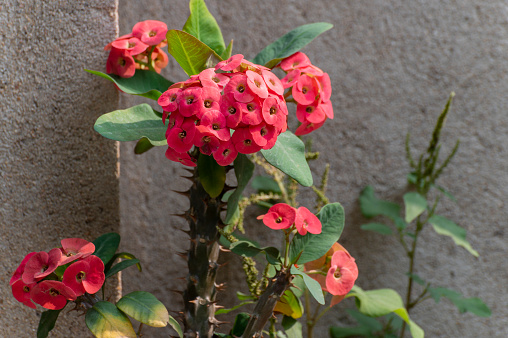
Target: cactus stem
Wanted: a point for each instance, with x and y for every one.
(183, 193)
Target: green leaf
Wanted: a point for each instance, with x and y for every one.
(315, 246)
(202, 25)
(344, 332)
(365, 321)
(444, 226)
(192, 54)
(145, 308)
(227, 52)
(289, 305)
(106, 321)
(473, 305)
(243, 172)
(265, 184)
(124, 255)
(377, 227)
(292, 327)
(311, 284)
(212, 175)
(249, 249)
(415, 204)
(132, 124)
(416, 278)
(241, 321)
(47, 322)
(106, 246)
(176, 326)
(380, 302)
(288, 155)
(290, 43)
(224, 311)
(372, 206)
(143, 146)
(121, 266)
(143, 83)
(242, 296)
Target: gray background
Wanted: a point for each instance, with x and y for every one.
(392, 64)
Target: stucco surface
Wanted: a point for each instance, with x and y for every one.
(58, 178)
(392, 64)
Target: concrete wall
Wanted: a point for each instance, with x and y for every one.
(58, 178)
(392, 64)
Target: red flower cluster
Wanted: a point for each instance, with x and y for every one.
(138, 50)
(336, 272)
(237, 95)
(35, 281)
(284, 216)
(311, 89)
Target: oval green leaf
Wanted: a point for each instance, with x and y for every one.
(243, 172)
(290, 43)
(145, 308)
(121, 266)
(288, 155)
(132, 124)
(142, 146)
(415, 205)
(202, 25)
(380, 228)
(47, 322)
(106, 321)
(106, 246)
(211, 174)
(143, 83)
(444, 226)
(372, 206)
(313, 246)
(311, 284)
(190, 53)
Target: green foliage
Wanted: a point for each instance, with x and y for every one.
(143, 83)
(190, 53)
(372, 206)
(142, 146)
(124, 255)
(106, 246)
(265, 184)
(47, 322)
(105, 320)
(202, 25)
(227, 52)
(145, 308)
(250, 249)
(473, 305)
(240, 324)
(121, 266)
(212, 175)
(292, 327)
(236, 307)
(377, 227)
(444, 226)
(243, 172)
(380, 302)
(290, 305)
(313, 246)
(288, 155)
(290, 43)
(311, 284)
(132, 124)
(415, 205)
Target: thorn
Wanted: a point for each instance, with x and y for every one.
(183, 193)
(193, 240)
(188, 232)
(224, 249)
(182, 255)
(219, 306)
(192, 217)
(176, 291)
(190, 171)
(184, 216)
(182, 278)
(220, 286)
(190, 178)
(228, 187)
(223, 264)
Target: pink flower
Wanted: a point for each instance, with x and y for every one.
(205, 139)
(74, 248)
(291, 78)
(151, 32)
(183, 158)
(231, 109)
(216, 123)
(243, 141)
(160, 59)
(21, 292)
(120, 63)
(238, 86)
(230, 64)
(306, 90)
(210, 98)
(251, 112)
(132, 45)
(21, 268)
(273, 82)
(262, 134)
(86, 275)
(308, 127)
(297, 60)
(306, 221)
(257, 84)
(52, 294)
(41, 265)
(312, 113)
(342, 274)
(181, 138)
(168, 99)
(279, 216)
(274, 112)
(209, 78)
(226, 153)
(189, 101)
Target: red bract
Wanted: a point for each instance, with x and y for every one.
(133, 45)
(244, 142)
(21, 268)
(183, 158)
(52, 295)
(231, 63)
(306, 221)
(21, 292)
(120, 63)
(279, 216)
(342, 274)
(151, 32)
(226, 153)
(297, 60)
(74, 248)
(307, 127)
(86, 275)
(40, 265)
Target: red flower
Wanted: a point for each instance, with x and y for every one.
(151, 32)
(120, 63)
(74, 248)
(279, 216)
(342, 274)
(86, 275)
(183, 158)
(21, 292)
(226, 153)
(21, 268)
(306, 221)
(52, 294)
(40, 265)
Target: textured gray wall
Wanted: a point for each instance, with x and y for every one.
(392, 64)
(58, 177)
